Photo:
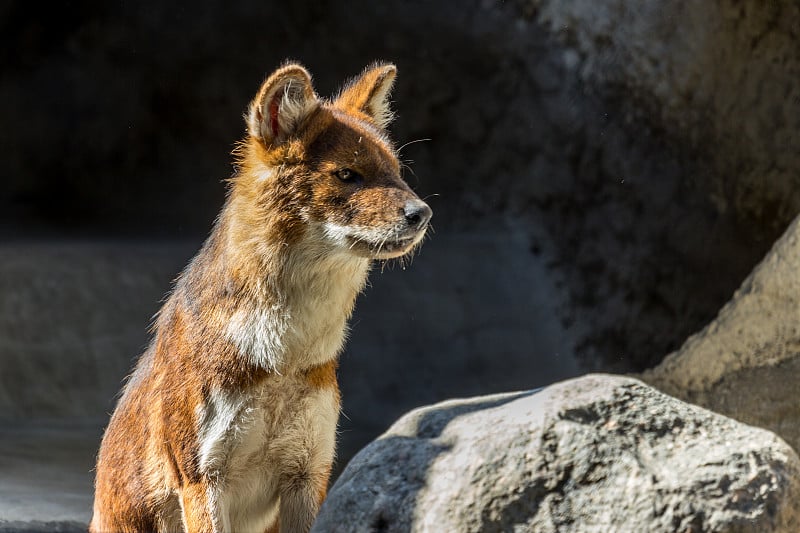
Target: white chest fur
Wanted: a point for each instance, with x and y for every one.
(251, 442)
(304, 321)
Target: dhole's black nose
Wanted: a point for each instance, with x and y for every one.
(417, 213)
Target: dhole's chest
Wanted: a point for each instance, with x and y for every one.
(256, 440)
(239, 429)
(307, 326)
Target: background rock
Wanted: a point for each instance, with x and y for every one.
(46, 474)
(39, 527)
(746, 363)
(716, 82)
(598, 453)
(608, 132)
(73, 319)
(720, 76)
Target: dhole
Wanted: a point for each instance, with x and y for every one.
(228, 421)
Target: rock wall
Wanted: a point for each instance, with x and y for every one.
(716, 82)
(718, 76)
(73, 319)
(646, 152)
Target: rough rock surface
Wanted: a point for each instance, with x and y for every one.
(597, 453)
(719, 74)
(46, 474)
(746, 363)
(36, 526)
(73, 318)
(712, 88)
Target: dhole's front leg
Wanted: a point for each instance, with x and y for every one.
(197, 510)
(301, 498)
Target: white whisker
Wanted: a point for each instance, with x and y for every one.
(412, 142)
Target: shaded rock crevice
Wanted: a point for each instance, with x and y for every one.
(746, 362)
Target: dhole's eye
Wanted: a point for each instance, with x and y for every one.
(349, 176)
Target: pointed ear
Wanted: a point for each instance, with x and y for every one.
(369, 93)
(283, 101)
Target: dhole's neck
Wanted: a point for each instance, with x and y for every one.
(292, 295)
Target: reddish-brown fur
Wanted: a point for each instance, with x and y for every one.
(292, 244)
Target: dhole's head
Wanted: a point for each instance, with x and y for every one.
(325, 170)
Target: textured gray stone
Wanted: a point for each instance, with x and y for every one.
(689, 176)
(598, 453)
(36, 526)
(718, 75)
(73, 316)
(46, 473)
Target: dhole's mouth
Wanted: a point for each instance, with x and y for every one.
(394, 248)
(385, 248)
(374, 243)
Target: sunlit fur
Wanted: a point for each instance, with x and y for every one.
(228, 421)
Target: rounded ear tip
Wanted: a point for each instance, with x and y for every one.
(385, 67)
(294, 70)
(384, 71)
(291, 63)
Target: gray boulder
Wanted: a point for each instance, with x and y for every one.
(597, 453)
